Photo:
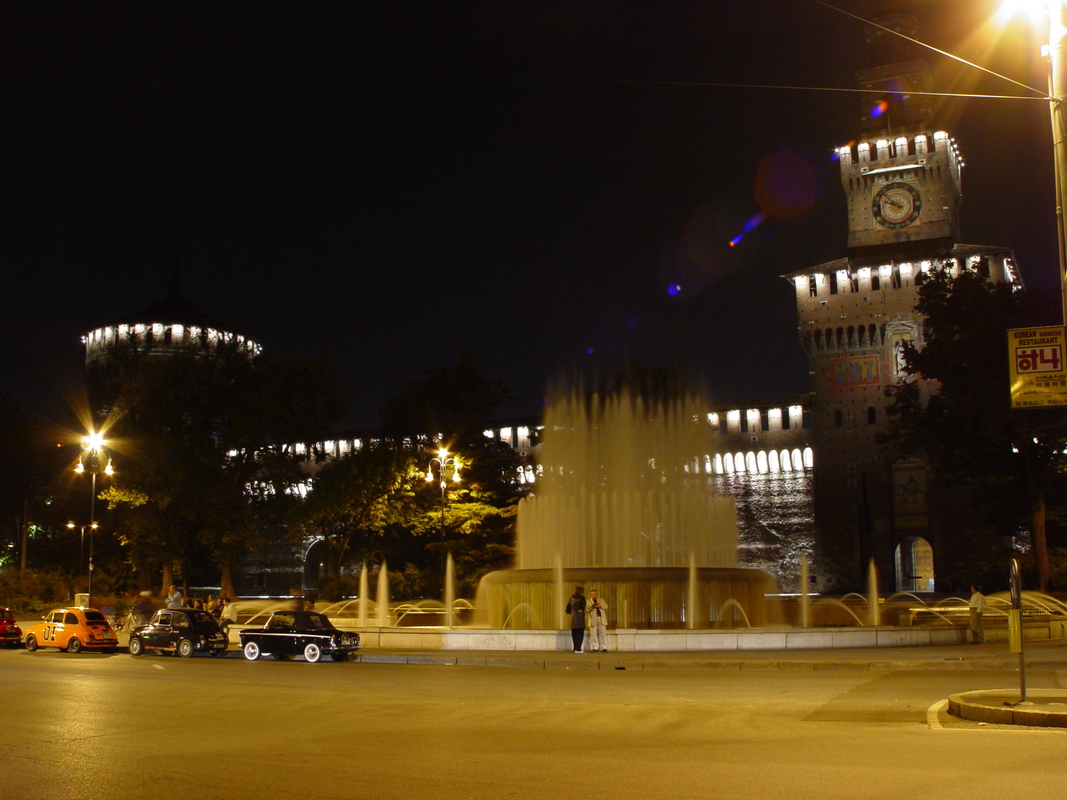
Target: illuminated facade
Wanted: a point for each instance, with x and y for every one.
(165, 328)
(902, 182)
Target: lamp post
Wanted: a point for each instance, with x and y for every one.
(444, 462)
(92, 452)
(81, 550)
(1056, 53)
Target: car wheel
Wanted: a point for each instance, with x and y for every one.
(136, 646)
(312, 652)
(74, 645)
(339, 656)
(185, 648)
(252, 651)
(31, 642)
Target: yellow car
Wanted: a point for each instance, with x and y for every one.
(73, 630)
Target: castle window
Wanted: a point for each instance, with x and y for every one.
(875, 280)
(872, 415)
(813, 287)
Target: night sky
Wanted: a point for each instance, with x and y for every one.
(382, 186)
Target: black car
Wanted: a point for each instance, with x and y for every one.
(182, 631)
(298, 633)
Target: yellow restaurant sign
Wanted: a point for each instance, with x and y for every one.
(1036, 363)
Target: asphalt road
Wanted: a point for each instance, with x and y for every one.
(96, 727)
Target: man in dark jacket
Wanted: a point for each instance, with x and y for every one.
(576, 608)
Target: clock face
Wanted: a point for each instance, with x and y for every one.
(896, 205)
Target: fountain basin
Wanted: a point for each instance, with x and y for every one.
(639, 598)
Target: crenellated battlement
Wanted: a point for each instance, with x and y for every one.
(901, 152)
(162, 338)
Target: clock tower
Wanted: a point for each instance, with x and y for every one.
(855, 315)
(902, 190)
(902, 178)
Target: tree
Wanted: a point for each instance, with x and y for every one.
(359, 493)
(206, 444)
(956, 405)
(455, 403)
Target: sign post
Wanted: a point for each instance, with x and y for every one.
(1015, 626)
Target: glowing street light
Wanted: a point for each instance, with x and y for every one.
(92, 452)
(444, 463)
(1055, 13)
(81, 550)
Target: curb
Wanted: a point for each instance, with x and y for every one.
(531, 661)
(1045, 708)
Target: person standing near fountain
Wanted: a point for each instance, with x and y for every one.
(977, 606)
(598, 622)
(576, 608)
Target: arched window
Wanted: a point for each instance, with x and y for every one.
(872, 415)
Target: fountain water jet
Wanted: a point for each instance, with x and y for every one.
(383, 596)
(624, 502)
(450, 591)
(874, 617)
(364, 600)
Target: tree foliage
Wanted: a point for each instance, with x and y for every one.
(956, 407)
(357, 496)
(205, 448)
(454, 403)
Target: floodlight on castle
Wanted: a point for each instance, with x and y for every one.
(172, 326)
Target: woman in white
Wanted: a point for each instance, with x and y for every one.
(596, 612)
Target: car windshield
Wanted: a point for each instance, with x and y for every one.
(95, 618)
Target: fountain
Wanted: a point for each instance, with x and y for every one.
(450, 591)
(624, 502)
(873, 617)
(383, 596)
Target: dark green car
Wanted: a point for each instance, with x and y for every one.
(181, 631)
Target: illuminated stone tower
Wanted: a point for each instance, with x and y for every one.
(161, 331)
(902, 180)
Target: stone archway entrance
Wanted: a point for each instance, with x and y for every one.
(915, 565)
(315, 564)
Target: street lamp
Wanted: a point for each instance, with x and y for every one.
(444, 462)
(81, 550)
(92, 452)
(1056, 53)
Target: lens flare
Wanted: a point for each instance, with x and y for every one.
(880, 108)
(696, 259)
(786, 185)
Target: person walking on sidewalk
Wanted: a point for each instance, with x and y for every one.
(977, 606)
(598, 622)
(576, 608)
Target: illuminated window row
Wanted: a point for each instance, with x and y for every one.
(762, 462)
(166, 335)
(753, 420)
